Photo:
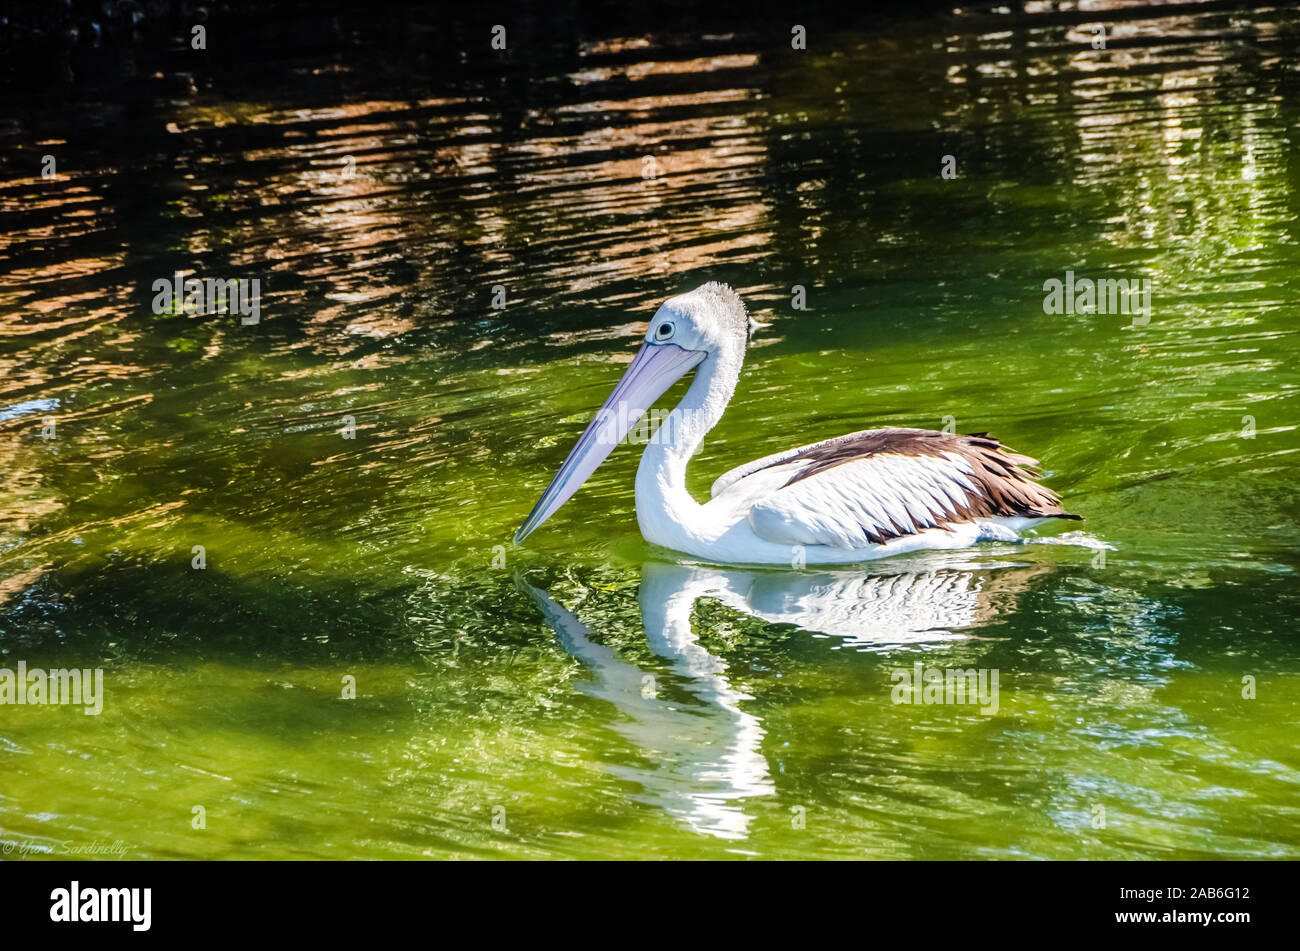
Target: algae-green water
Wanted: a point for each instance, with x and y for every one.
(243, 524)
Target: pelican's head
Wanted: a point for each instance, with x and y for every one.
(709, 323)
(710, 320)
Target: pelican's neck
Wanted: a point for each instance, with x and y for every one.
(665, 509)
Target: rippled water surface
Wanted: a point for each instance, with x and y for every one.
(587, 696)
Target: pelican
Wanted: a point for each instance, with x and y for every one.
(854, 498)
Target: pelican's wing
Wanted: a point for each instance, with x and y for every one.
(868, 487)
(732, 476)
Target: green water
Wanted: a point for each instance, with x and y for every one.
(586, 696)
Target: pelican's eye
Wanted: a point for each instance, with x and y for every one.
(664, 332)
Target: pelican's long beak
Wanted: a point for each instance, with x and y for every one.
(656, 367)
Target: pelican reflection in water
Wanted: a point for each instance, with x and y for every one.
(705, 756)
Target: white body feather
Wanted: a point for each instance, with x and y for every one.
(755, 517)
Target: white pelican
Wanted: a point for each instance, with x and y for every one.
(853, 498)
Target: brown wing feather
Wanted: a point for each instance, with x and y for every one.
(1004, 479)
